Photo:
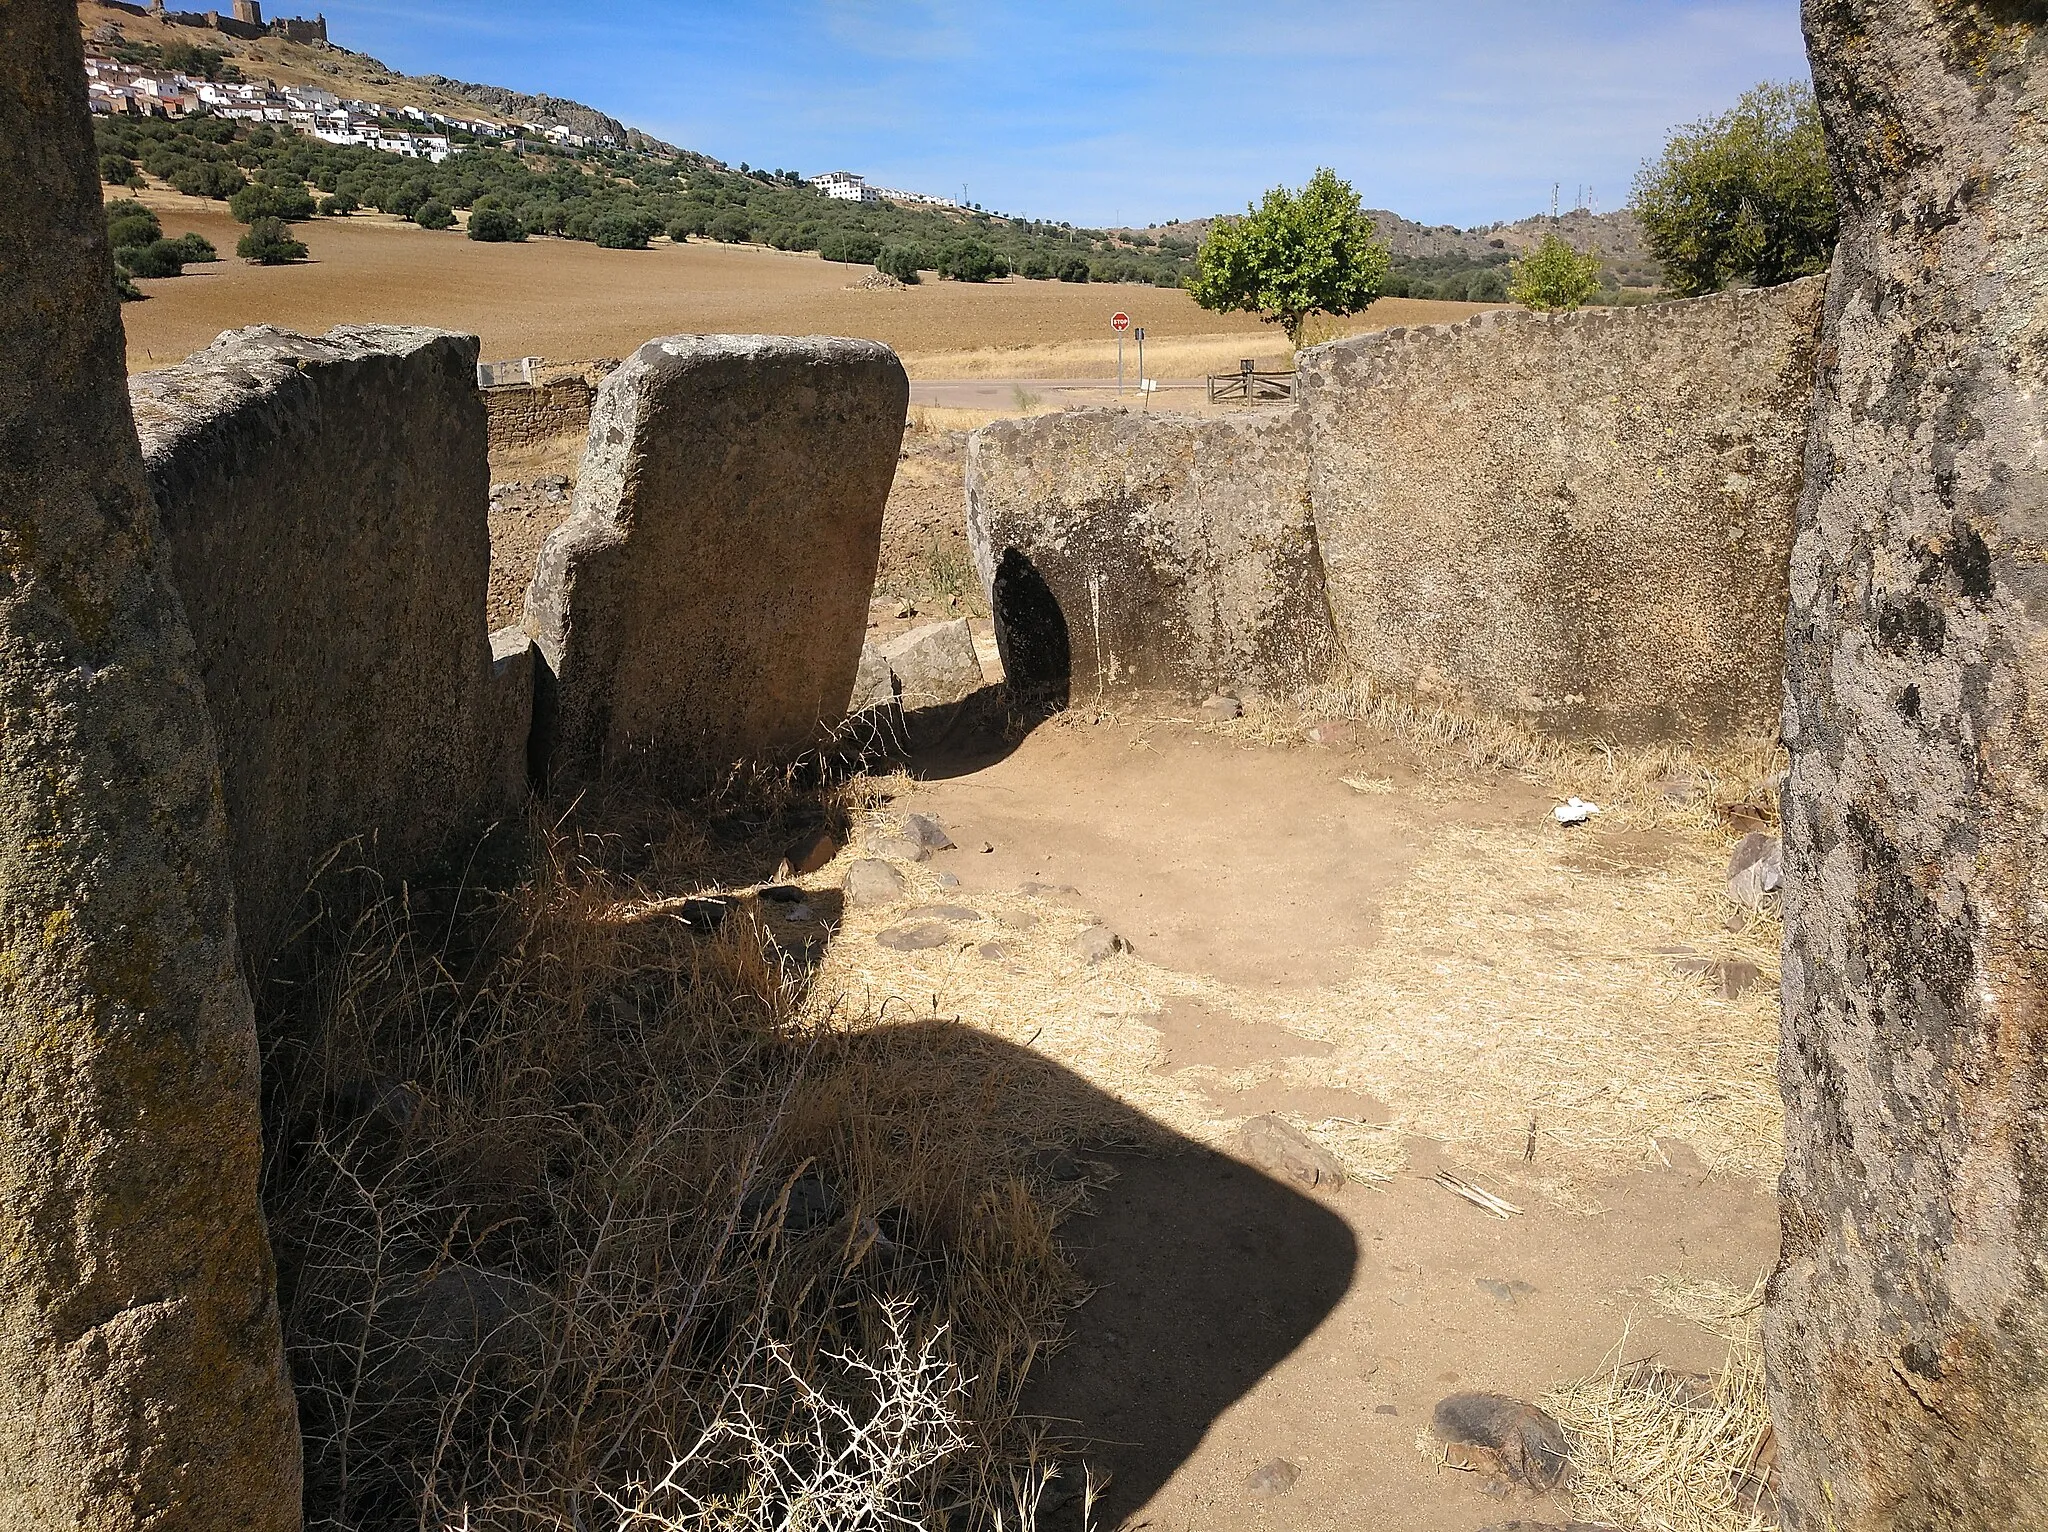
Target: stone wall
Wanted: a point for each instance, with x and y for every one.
(1148, 552)
(1906, 1329)
(1582, 520)
(706, 601)
(528, 417)
(142, 1372)
(324, 503)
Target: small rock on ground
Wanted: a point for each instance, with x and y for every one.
(1503, 1289)
(872, 882)
(958, 914)
(1097, 944)
(1279, 1147)
(1274, 1478)
(901, 848)
(811, 852)
(927, 832)
(1221, 709)
(1755, 869)
(1504, 1437)
(919, 937)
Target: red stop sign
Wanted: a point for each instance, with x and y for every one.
(1120, 322)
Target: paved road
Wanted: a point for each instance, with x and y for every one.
(1001, 393)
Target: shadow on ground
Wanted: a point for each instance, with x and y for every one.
(1206, 1274)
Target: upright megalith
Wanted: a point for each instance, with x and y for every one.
(325, 506)
(1127, 552)
(1577, 520)
(1907, 1327)
(707, 600)
(142, 1378)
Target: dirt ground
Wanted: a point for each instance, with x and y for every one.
(569, 301)
(1416, 967)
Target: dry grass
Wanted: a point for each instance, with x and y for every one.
(580, 1211)
(1657, 1451)
(531, 460)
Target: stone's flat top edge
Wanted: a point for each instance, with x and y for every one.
(664, 349)
(175, 401)
(1251, 423)
(1311, 358)
(261, 347)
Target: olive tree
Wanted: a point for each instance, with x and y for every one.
(1293, 255)
(1742, 199)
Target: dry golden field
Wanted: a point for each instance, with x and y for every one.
(569, 301)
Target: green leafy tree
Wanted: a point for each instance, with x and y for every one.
(116, 169)
(434, 214)
(852, 247)
(269, 242)
(1554, 277)
(159, 258)
(495, 226)
(260, 200)
(903, 262)
(1294, 255)
(971, 260)
(1744, 198)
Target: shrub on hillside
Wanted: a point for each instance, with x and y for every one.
(269, 242)
(340, 205)
(495, 226)
(971, 260)
(622, 231)
(903, 262)
(260, 200)
(208, 178)
(116, 169)
(196, 249)
(685, 225)
(730, 227)
(125, 288)
(1073, 269)
(434, 214)
(1036, 268)
(130, 223)
(851, 247)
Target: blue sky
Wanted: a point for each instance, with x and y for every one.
(1131, 111)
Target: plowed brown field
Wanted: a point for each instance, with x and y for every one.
(569, 301)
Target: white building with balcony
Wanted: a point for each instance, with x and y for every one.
(845, 186)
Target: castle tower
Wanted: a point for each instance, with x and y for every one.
(249, 12)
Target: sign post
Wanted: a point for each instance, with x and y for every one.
(1120, 322)
(1140, 333)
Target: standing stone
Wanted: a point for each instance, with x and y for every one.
(1907, 1326)
(1578, 520)
(324, 502)
(934, 665)
(142, 1378)
(707, 601)
(1129, 553)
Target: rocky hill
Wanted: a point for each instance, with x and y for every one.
(516, 106)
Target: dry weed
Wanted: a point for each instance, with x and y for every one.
(1662, 1451)
(579, 1213)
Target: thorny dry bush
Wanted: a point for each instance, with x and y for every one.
(583, 1222)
